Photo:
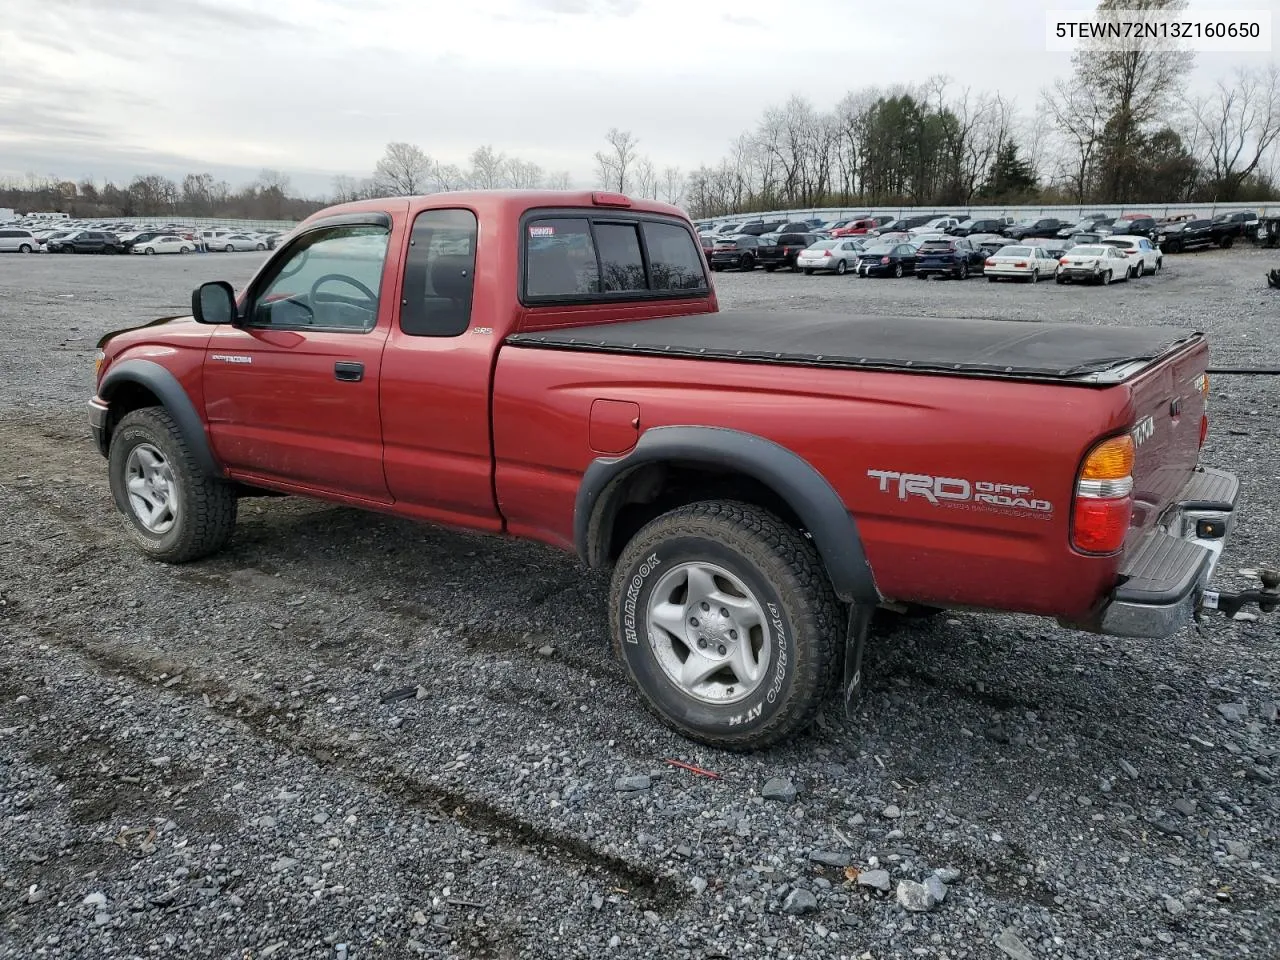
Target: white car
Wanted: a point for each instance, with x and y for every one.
(936, 225)
(1019, 262)
(238, 242)
(1145, 256)
(15, 240)
(838, 256)
(1094, 263)
(164, 245)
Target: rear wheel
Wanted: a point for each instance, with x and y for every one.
(1035, 276)
(841, 268)
(1227, 242)
(897, 271)
(149, 251)
(1107, 278)
(964, 271)
(261, 246)
(726, 623)
(25, 248)
(1059, 279)
(228, 249)
(747, 263)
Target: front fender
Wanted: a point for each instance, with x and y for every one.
(166, 388)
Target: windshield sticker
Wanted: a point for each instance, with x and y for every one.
(542, 231)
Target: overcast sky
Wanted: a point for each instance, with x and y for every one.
(110, 88)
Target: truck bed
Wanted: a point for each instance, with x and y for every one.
(1081, 353)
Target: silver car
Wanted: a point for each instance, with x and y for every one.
(15, 240)
(837, 256)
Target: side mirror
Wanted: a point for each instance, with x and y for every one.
(214, 303)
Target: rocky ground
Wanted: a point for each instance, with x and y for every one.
(351, 736)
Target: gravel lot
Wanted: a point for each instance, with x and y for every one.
(204, 761)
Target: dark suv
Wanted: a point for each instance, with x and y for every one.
(781, 249)
(1044, 227)
(87, 241)
(758, 227)
(1140, 226)
(738, 251)
(948, 257)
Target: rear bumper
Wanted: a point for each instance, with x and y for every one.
(1165, 575)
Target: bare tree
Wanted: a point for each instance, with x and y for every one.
(403, 171)
(1078, 115)
(673, 184)
(345, 189)
(488, 168)
(646, 179)
(1237, 126)
(524, 174)
(447, 177)
(560, 180)
(614, 164)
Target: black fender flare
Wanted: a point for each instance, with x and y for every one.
(821, 511)
(173, 398)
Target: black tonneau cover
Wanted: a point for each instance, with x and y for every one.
(1019, 350)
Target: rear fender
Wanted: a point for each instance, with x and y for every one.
(822, 513)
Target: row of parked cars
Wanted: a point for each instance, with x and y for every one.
(101, 237)
(896, 254)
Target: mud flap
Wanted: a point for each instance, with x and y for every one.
(854, 643)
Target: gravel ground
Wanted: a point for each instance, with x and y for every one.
(351, 736)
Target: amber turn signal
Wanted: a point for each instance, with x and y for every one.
(1110, 460)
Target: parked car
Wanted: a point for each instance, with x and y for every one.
(759, 228)
(795, 226)
(836, 255)
(936, 225)
(948, 257)
(967, 228)
(1053, 248)
(1032, 228)
(86, 241)
(1229, 227)
(1145, 256)
(13, 240)
(857, 227)
(891, 236)
(141, 238)
(1132, 225)
(988, 243)
(727, 229)
(165, 243)
(658, 438)
(781, 249)
(739, 252)
(1185, 235)
(887, 260)
(1019, 262)
(1094, 264)
(240, 242)
(1076, 239)
(1086, 224)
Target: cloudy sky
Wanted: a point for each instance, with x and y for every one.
(110, 88)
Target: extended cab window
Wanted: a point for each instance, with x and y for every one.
(587, 259)
(439, 274)
(330, 280)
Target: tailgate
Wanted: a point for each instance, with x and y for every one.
(1169, 402)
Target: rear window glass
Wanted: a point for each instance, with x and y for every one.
(674, 262)
(1015, 252)
(936, 246)
(575, 257)
(1089, 251)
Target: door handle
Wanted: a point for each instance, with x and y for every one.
(349, 370)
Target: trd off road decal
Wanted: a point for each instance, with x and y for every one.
(633, 591)
(958, 493)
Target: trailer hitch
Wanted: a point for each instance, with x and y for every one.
(1267, 598)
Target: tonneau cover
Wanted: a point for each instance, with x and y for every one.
(1004, 348)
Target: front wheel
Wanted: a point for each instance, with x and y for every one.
(726, 623)
(897, 272)
(149, 251)
(228, 249)
(25, 248)
(747, 263)
(174, 511)
(1227, 242)
(261, 246)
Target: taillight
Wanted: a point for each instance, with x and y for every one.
(1204, 428)
(1021, 263)
(1063, 261)
(1104, 497)
(989, 262)
(884, 259)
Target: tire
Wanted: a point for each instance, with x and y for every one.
(229, 248)
(149, 251)
(1107, 278)
(204, 513)
(770, 567)
(897, 271)
(747, 264)
(992, 279)
(842, 267)
(769, 268)
(25, 248)
(261, 246)
(1159, 265)
(183, 250)
(1035, 277)
(922, 276)
(1227, 242)
(1059, 280)
(964, 272)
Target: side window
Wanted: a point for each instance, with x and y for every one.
(439, 274)
(331, 280)
(561, 261)
(621, 263)
(674, 262)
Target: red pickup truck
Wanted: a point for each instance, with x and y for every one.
(554, 366)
